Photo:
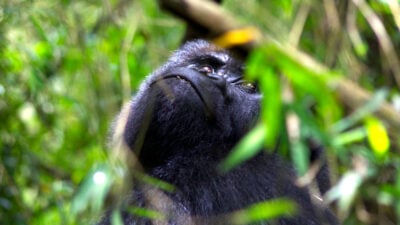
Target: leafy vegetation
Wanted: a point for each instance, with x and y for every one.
(67, 67)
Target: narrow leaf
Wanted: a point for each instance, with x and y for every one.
(265, 211)
(248, 147)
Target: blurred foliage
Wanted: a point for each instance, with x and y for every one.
(66, 68)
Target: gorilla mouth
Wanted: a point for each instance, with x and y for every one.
(196, 81)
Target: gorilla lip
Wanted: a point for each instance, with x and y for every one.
(186, 76)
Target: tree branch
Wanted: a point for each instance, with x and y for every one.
(207, 14)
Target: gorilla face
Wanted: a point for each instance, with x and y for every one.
(199, 97)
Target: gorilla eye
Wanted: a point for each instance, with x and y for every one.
(249, 86)
(207, 69)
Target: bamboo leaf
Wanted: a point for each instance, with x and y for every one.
(248, 147)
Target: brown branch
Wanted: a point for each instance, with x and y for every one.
(206, 14)
(212, 17)
(382, 36)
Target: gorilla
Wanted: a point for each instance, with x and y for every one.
(183, 122)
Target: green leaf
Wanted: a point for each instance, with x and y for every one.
(155, 182)
(146, 213)
(270, 87)
(371, 106)
(248, 147)
(349, 137)
(271, 111)
(116, 218)
(265, 211)
(306, 76)
(300, 157)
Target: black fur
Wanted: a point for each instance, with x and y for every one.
(183, 122)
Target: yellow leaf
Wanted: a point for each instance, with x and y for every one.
(237, 37)
(377, 136)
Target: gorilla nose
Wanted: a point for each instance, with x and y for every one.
(221, 83)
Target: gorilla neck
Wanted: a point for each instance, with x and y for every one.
(193, 136)
(163, 152)
(199, 181)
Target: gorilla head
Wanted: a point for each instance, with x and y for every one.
(196, 105)
(186, 117)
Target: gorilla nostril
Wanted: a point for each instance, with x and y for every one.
(217, 78)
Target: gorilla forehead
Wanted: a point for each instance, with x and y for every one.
(198, 49)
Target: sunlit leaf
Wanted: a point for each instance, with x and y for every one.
(361, 49)
(14, 59)
(27, 114)
(42, 50)
(377, 136)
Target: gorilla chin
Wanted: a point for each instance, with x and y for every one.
(184, 120)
